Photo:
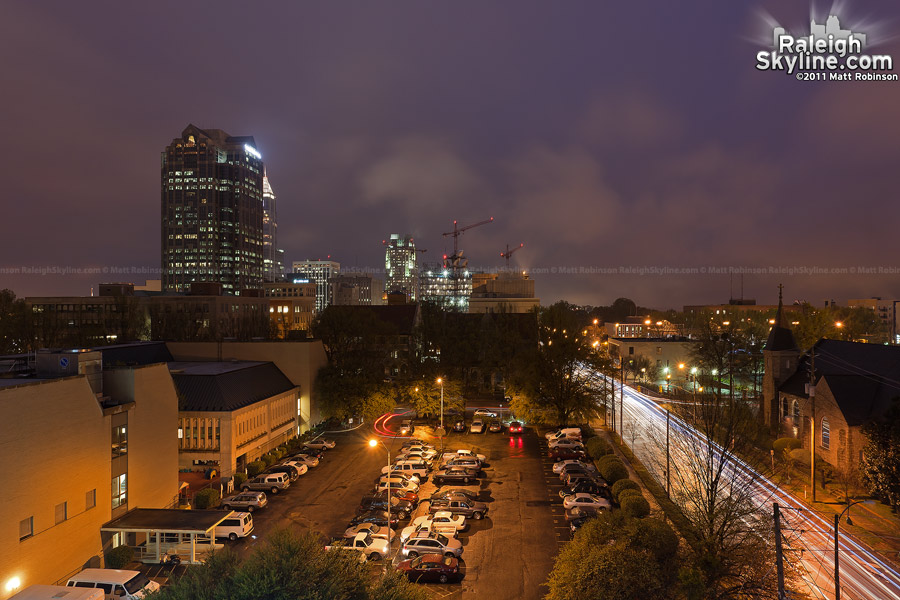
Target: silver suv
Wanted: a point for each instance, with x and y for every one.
(246, 501)
(430, 542)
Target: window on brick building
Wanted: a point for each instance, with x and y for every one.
(796, 410)
(784, 407)
(826, 433)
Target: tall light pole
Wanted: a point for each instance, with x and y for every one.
(374, 443)
(440, 381)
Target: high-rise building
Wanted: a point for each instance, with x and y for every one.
(438, 285)
(212, 211)
(356, 289)
(318, 272)
(401, 266)
(273, 256)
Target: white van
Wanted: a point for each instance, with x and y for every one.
(115, 583)
(55, 592)
(568, 432)
(238, 525)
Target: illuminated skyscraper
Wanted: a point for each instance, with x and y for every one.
(401, 266)
(319, 272)
(212, 211)
(273, 256)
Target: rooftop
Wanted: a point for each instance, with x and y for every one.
(226, 386)
(167, 519)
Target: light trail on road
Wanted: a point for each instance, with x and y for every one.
(864, 575)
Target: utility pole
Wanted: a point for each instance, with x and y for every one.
(812, 423)
(837, 558)
(779, 564)
(622, 404)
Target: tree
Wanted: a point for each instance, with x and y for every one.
(555, 375)
(730, 531)
(881, 457)
(616, 557)
(425, 396)
(288, 567)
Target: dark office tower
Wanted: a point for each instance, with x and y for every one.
(212, 211)
(273, 256)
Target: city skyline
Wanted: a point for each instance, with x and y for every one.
(422, 116)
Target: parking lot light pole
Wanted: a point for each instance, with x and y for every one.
(440, 381)
(374, 443)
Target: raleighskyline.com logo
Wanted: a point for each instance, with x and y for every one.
(826, 53)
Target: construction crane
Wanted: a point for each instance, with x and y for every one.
(509, 253)
(458, 231)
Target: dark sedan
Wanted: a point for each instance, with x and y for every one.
(462, 475)
(378, 517)
(495, 427)
(446, 493)
(556, 454)
(378, 502)
(402, 494)
(430, 568)
(515, 427)
(586, 486)
(459, 426)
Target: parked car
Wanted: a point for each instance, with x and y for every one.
(416, 469)
(470, 462)
(301, 467)
(445, 493)
(401, 494)
(443, 522)
(579, 468)
(485, 412)
(558, 466)
(556, 454)
(464, 453)
(396, 483)
(453, 474)
(430, 542)
(459, 425)
(236, 526)
(573, 478)
(460, 506)
(370, 547)
(269, 482)
(586, 486)
(566, 443)
(515, 427)
(293, 471)
(580, 511)
(319, 444)
(306, 459)
(564, 432)
(402, 507)
(578, 522)
(430, 568)
(586, 500)
(376, 531)
(495, 427)
(245, 501)
(120, 583)
(378, 517)
(416, 442)
(477, 426)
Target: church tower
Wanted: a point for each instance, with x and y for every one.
(781, 356)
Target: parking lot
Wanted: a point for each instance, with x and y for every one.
(507, 555)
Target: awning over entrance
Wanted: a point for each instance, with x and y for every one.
(154, 532)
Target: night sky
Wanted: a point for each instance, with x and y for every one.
(600, 135)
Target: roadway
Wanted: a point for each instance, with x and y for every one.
(863, 574)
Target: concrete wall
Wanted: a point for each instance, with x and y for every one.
(300, 361)
(55, 444)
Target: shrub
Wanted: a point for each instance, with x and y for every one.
(604, 460)
(207, 498)
(656, 537)
(628, 493)
(268, 459)
(781, 444)
(635, 506)
(622, 485)
(613, 471)
(278, 453)
(597, 447)
(256, 467)
(239, 478)
(118, 557)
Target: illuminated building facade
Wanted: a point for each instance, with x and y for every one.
(401, 266)
(318, 272)
(438, 285)
(212, 211)
(273, 256)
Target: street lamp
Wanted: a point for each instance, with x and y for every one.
(837, 569)
(374, 443)
(440, 381)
